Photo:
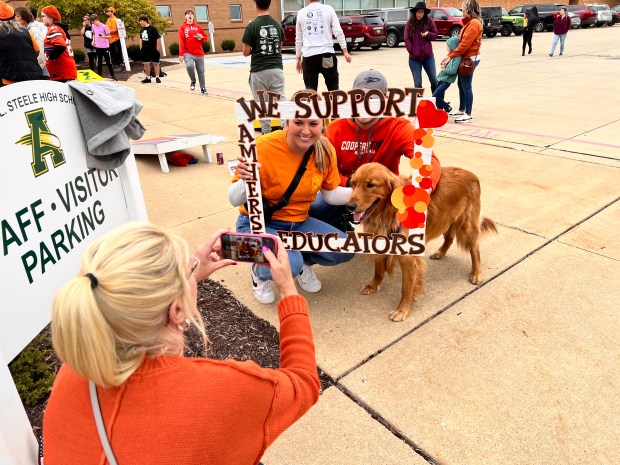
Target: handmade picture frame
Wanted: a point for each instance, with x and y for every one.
(411, 201)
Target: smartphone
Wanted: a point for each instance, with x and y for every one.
(245, 247)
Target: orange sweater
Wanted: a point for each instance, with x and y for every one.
(469, 40)
(176, 410)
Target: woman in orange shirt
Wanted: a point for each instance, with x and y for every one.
(470, 40)
(280, 154)
(118, 327)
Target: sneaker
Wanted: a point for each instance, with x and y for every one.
(551, 54)
(465, 119)
(261, 289)
(455, 113)
(203, 91)
(448, 109)
(146, 80)
(157, 80)
(308, 280)
(192, 86)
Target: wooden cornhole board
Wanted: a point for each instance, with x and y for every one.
(160, 146)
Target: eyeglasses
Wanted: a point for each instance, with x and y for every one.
(43, 15)
(194, 266)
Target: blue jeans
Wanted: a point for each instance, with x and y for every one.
(416, 70)
(440, 95)
(296, 258)
(466, 94)
(561, 38)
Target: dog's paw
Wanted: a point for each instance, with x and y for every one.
(476, 278)
(399, 314)
(437, 256)
(369, 288)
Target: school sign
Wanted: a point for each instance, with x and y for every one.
(53, 206)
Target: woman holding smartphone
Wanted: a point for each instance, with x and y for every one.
(280, 154)
(118, 328)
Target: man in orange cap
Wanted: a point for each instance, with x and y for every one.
(58, 53)
(115, 45)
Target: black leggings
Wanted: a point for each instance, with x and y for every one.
(527, 40)
(104, 53)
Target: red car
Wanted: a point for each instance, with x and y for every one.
(588, 17)
(352, 31)
(449, 21)
(373, 29)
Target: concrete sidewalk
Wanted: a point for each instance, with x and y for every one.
(522, 369)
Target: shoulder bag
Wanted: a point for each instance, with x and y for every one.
(466, 67)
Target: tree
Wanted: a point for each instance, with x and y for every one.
(73, 11)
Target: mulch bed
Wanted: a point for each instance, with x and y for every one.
(233, 331)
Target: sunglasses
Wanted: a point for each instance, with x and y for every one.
(194, 266)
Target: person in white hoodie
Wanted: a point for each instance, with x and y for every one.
(314, 45)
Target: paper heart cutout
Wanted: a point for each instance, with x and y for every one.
(429, 116)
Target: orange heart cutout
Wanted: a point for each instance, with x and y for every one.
(429, 116)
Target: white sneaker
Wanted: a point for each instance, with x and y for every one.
(261, 288)
(308, 280)
(465, 119)
(456, 113)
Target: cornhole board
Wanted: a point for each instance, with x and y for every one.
(160, 146)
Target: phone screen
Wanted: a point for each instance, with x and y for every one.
(247, 247)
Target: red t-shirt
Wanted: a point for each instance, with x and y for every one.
(63, 67)
(384, 143)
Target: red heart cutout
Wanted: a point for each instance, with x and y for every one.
(429, 116)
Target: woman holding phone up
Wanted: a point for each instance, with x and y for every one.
(280, 155)
(118, 328)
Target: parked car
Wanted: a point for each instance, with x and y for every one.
(352, 31)
(588, 17)
(373, 29)
(575, 20)
(491, 20)
(394, 20)
(511, 24)
(603, 14)
(545, 14)
(449, 21)
(615, 15)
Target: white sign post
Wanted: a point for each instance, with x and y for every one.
(53, 206)
(163, 45)
(122, 35)
(212, 41)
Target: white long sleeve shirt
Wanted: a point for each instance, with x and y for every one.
(313, 34)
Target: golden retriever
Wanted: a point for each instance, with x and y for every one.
(454, 211)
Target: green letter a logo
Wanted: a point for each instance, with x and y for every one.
(43, 143)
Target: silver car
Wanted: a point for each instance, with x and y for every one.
(575, 20)
(603, 14)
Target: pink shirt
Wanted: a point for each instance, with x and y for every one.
(100, 42)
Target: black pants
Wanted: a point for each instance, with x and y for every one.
(116, 52)
(101, 54)
(92, 60)
(527, 40)
(315, 65)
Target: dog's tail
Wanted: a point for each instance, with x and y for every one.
(487, 225)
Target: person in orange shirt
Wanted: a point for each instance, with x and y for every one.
(119, 329)
(57, 45)
(470, 40)
(280, 154)
(114, 40)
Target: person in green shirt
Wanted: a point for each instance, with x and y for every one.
(262, 39)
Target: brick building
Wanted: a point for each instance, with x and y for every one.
(230, 17)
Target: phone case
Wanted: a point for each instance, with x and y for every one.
(246, 247)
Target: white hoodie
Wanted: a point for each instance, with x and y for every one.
(313, 34)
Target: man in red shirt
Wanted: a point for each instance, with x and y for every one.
(58, 53)
(191, 37)
(363, 140)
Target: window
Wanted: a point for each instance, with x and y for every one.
(202, 13)
(164, 11)
(289, 20)
(235, 12)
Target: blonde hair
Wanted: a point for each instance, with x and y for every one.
(104, 329)
(471, 8)
(322, 147)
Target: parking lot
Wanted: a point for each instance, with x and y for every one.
(519, 370)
